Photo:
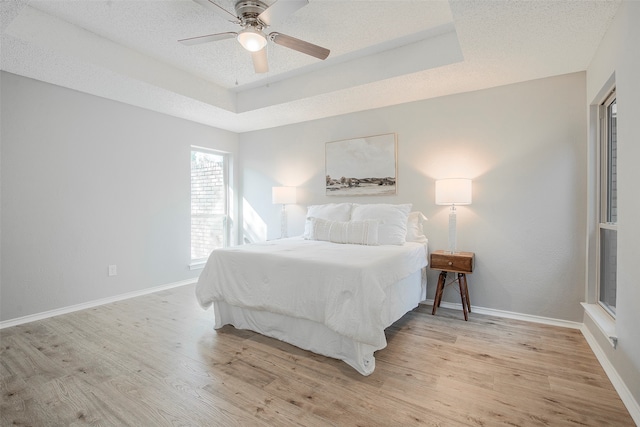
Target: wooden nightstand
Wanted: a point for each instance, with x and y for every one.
(446, 262)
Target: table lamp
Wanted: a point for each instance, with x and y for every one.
(283, 196)
(453, 191)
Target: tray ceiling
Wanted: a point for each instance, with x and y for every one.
(382, 53)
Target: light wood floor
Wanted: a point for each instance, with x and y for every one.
(156, 360)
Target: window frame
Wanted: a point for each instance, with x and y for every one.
(198, 263)
(604, 189)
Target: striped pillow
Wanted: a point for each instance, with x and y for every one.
(355, 232)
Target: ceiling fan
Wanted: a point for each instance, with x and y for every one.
(254, 16)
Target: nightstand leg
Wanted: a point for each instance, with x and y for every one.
(443, 280)
(466, 288)
(439, 289)
(443, 276)
(464, 295)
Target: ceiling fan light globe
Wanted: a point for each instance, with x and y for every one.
(252, 40)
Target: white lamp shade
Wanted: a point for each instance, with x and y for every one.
(454, 191)
(283, 195)
(251, 39)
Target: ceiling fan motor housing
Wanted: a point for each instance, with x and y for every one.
(248, 11)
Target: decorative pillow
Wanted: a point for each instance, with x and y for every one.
(415, 233)
(355, 232)
(330, 211)
(392, 228)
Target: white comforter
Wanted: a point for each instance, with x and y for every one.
(341, 286)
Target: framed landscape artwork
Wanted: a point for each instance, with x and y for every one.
(365, 166)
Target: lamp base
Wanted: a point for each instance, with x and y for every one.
(283, 222)
(452, 230)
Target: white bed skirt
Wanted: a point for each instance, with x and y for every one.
(401, 297)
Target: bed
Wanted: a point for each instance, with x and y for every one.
(321, 291)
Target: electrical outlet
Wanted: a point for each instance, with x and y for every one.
(113, 271)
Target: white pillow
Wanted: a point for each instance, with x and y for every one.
(392, 228)
(415, 233)
(330, 211)
(355, 232)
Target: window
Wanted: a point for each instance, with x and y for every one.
(608, 195)
(209, 207)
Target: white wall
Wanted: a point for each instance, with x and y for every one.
(618, 54)
(522, 144)
(88, 182)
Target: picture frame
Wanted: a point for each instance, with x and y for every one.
(364, 166)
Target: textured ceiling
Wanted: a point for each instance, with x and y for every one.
(382, 53)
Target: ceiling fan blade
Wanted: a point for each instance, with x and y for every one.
(280, 10)
(300, 45)
(260, 63)
(208, 38)
(209, 4)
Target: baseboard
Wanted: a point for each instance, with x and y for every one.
(625, 395)
(512, 315)
(91, 304)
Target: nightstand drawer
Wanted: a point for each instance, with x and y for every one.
(461, 262)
